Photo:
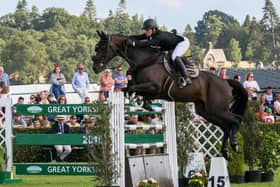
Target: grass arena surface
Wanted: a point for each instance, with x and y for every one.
(86, 181)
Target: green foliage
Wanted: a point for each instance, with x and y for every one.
(3, 159)
(269, 154)
(234, 51)
(105, 161)
(90, 10)
(183, 134)
(251, 133)
(236, 165)
(211, 26)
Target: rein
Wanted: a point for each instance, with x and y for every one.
(121, 53)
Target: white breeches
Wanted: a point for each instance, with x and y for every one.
(181, 48)
(63, 151)
(82, 92)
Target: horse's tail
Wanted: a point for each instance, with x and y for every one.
(240, 97)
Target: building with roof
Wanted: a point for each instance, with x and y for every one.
(215, 58)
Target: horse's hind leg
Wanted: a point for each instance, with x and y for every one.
(200, 109)
(224, 119)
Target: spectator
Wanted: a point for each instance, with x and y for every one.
(87, 100)
(262, 107)
(27, 119)
(32, 99)
(57, 81)
(4, 90)
(237, 78)
(269, 118)
(270, 97)
(43, 97)
(51, 98)
(134, 120)
(62, 100)
(73, 122)
(157, 120)
(18, 122)
(223, 73)
(60, 127)
(88, 124)
(212, 70)
(4, 76)
(36, 124)
(80, 82)
(20, 100)
(106, 83)
(40, 121)
(120, 80)
(277, 105)
(81, 118)
(251, 86)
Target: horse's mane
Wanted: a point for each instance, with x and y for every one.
(125, 37)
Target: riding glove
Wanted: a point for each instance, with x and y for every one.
(130, 43)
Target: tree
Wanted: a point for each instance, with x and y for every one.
(209, 28)
(21, 15)
(122, 5)
(25, 55)
(34, 17)
(90, 10)
(234, 51)
(270, 21)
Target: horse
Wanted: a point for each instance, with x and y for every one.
(221, 102)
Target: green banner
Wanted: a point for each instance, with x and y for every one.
(55, 109)
(54, 169)
(81, 139)
(55, 139)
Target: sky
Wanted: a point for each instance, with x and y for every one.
(174, 14)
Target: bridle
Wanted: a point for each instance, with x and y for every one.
(117, 51)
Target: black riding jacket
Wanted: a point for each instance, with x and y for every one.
(165, 40)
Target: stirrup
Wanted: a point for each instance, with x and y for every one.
(182, 82)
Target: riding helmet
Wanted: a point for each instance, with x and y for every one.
(150, 24)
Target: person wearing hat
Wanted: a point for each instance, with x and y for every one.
(167, 41)
(57, 80)
(269, 118)
(60, 127)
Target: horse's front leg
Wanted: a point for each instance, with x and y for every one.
(147, 89)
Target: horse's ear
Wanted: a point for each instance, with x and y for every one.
(99, 33)
(105, 36)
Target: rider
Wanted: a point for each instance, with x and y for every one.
(166, 41)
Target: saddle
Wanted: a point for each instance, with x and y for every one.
(193, 71)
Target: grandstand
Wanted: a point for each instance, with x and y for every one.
(264, 78)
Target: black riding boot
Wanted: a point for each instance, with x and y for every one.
(184, 79)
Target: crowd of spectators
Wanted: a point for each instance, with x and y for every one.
(268, 101)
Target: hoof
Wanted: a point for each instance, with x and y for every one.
(227, 156)
(236, 148)
(148, 107)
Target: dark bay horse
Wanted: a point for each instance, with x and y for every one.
(221, 102)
